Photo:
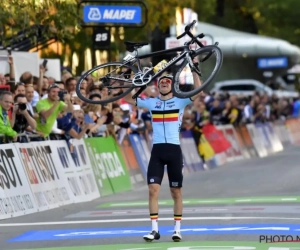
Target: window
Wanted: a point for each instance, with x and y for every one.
(238, 87)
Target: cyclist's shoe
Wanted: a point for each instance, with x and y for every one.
(176, 236)
(152, 236)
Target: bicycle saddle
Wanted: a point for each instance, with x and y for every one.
(131, 46)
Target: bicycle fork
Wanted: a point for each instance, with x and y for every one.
(193, 66)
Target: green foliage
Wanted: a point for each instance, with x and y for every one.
(273, 18)
(59, 15)
(161, 14)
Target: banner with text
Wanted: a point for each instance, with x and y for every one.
(46, 178)
(76, 169)
(16, 198)
(108, 165)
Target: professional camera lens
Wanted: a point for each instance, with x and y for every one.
(22, 106)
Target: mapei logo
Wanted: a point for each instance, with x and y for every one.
(94, 14)
(158, 105)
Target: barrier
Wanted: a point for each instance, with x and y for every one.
(38, 176)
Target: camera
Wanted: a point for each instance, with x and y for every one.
(22, 106)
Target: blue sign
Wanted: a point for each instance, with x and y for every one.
(275, 62)
(112, 14)
(86, 233)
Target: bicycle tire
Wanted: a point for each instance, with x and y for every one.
(219, 60)
(112, 99)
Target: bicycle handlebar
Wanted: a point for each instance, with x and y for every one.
(188, 32)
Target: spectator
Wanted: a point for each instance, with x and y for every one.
(2, 80)
(19, 89)
(29, 93)
(21, 116)
(6, 101)
(96, 116)
(65, 76)
(71, 85)
(79, 128)
(235, 114)
(49, 109)
(216, 112)
(28, 79)
(249, 112)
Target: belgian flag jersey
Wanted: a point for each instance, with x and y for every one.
(166, 117)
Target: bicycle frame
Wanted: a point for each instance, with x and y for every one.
(184, 49)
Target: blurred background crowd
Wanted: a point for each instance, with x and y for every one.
(50, 109)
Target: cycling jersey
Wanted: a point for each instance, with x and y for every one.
(166, 117)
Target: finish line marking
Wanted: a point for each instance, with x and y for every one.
(139, 220)
(280, 199)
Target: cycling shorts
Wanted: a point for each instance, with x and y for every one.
(166, 154)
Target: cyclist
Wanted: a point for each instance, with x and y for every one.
(167, 112)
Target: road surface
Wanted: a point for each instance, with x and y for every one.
(236, 206)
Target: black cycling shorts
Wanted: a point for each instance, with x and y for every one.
(166, 154)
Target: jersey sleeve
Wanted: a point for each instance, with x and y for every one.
(184, 102)
(143, 103)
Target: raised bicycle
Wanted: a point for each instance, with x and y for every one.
(120, 78)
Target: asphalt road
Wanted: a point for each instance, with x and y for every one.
(217, 210)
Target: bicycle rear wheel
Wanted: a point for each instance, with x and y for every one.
(182, 86)
(115, 76)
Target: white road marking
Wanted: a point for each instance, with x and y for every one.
(140, 220)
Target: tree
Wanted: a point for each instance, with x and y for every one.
(58, 16)
(161, 14)
(268, 17)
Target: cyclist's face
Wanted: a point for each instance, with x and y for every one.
(165, 85)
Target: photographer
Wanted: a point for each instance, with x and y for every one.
(50, 108)
(21, 116)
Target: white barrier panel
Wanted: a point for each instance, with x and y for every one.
(47, 181)
(257, 140)
(16, 198)
(79, 171)
(275, 141)
(283, 134)
(26, 61)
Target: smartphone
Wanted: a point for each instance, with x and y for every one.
(45, 63)
(61, 95)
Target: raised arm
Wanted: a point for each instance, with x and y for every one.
(129, 99)
(197, 80)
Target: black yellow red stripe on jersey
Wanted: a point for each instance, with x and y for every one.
(165, 115)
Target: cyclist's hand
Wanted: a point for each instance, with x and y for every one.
(195, 60)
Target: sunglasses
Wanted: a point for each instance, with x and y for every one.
(165, 80)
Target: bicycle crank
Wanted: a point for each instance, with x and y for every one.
(141, 79)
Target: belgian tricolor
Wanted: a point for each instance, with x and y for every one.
(165, 115)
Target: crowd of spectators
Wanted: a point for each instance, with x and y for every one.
(42, 108)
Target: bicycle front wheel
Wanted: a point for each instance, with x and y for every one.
(210, 62)
(116, 77)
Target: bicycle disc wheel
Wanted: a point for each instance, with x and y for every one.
(115, 76)
(183, 83)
